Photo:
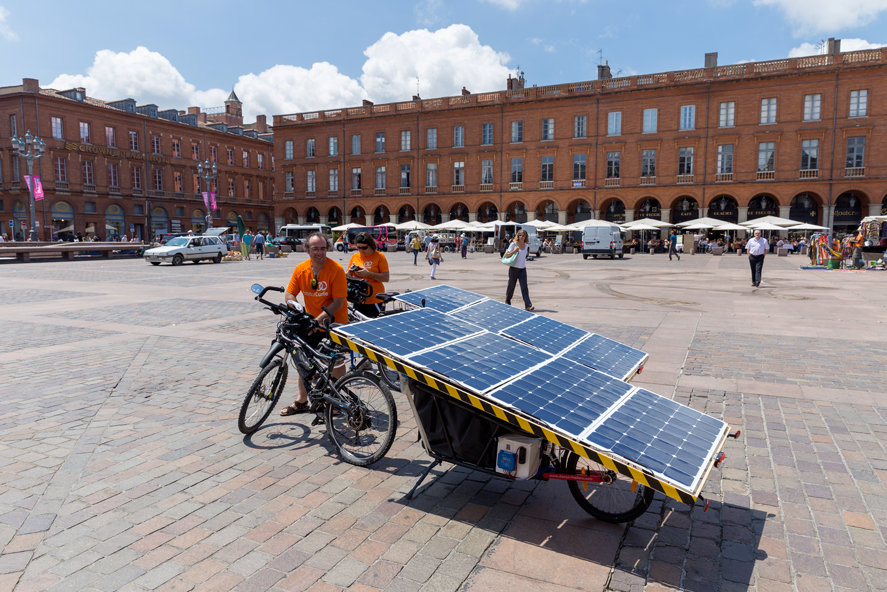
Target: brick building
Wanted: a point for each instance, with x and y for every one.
(114, 168)
(801, 138)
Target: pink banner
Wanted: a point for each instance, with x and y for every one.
(212, 200)
(206, 199)
(38, 187)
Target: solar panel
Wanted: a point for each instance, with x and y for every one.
(606, 355)
(408, 332)
(546, 334)
(492, 315)
(563, 394)
(442, 298)
(672, 440)
(480, 362)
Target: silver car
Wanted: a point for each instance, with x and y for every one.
(188, 248)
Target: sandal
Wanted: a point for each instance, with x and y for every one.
(294, 409)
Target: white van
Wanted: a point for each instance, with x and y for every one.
(510, 229)
(602, 240)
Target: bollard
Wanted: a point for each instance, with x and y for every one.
(632, 251)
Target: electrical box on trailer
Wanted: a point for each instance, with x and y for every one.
(518, 456)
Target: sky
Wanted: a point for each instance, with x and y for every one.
(293, 56)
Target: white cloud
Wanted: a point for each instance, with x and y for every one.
(508, 4)
(814, 16)
(809, 49)
(5, 29)
(427, 12)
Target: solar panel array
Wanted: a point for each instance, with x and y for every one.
(557, 374)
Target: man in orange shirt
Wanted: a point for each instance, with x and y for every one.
(371, 265)
(857, 243)
(322, 283)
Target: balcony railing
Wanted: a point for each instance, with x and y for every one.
(648, 180)
(724, 178)
(15, 185)
(310, 194)
(180, 195)
(380, 191)
(356, 193)
(331, 193)
(517, 186)
(765, 176)
(612, 182)
(684, 179)
(90, 187)
(854, 172)
(546, 184)
(458, 188)
(288, 195)
(61, 185)
(114, 189)
(578, 183)
(431, 189)
(486, 186)
(404, 191)
(808, 174)
(136, 191)
(158, 193)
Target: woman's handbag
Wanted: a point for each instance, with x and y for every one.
(510, 260)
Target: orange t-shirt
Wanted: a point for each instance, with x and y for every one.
(376, 263)
(331, 283)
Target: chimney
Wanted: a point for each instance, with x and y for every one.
(603, 72)
(194, 110)
(834, 46)
(465, 91)
(515, 83)
(417, 98)
(367, 103)
(711, 60)
(30, 85)
(261, 124)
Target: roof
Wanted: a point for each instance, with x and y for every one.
(232, 97)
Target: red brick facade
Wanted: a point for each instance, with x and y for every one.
(109, 183)
(756, 185)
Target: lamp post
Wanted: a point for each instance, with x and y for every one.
(30, 148)
(208, 172)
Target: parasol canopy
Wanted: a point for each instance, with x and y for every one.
(345, 227)
(774, 220)
(706, 222)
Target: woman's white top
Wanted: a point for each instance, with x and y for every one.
(521, 262)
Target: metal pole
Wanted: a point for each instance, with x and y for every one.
(31, 199)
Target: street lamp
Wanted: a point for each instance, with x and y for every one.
(208, 172)
(30, 148)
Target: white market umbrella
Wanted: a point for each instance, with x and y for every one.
(699, 226)
(452, 225)
(583, 223)
(345, 227)
(476, 224)
(774, 220)
(730, 226)
(641, 227)
(538, 224)
(648, 222)
(806, 226)
(411, 225)
(706, 223)
(558, 228)
(765, 226)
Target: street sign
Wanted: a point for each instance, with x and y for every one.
(132, 228)
(37, 223)
(24, 224)
(12, 224)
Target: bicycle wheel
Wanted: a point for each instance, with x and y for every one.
(389, 375)
(262, 396)
(608, 502)
(363, 434)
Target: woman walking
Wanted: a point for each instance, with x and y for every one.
(433, 255)
(518, 271)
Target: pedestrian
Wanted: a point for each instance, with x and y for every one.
(757, 248)
(260, 245)
(245, 242)
(433, 255)
(518, 271)
(427, 242)
(464, 246)
(416, 246)
(857, 243)
(370, 265)
(673, 245)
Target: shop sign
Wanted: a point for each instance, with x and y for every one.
(650, 209)
(114, 152)
(687, 209)
(615, 212)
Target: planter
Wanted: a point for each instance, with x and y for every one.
(717, 251)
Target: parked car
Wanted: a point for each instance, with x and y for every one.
(286, 240)
(185, 248)
(165, 238)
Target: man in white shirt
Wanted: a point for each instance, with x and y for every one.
(757, 247)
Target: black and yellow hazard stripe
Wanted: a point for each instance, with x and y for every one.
(642, 477)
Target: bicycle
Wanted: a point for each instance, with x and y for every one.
(357, 409)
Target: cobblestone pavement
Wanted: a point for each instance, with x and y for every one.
(121, 467)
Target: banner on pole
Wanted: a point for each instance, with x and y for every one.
(212, 200)
(206, 199)
(38, 186)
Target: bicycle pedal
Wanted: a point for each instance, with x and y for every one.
(318, 420)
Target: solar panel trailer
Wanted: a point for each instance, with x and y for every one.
(479, 371)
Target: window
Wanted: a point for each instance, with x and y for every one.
(261, 190)
(58, 131)
(195, 150)
(459, 173)
(405, 140)
(486, 172)
(334, 179)
(580, 126)
(431, 138)
(158, 179)
(856, 152)
(260, 158)
(517, 170)
(136, 177)
(404, 175)
(246, 159)
(88, 173)
(247, 189)
(812, 105)
(685, 161)
(355, 178)
(728, 112)
(61, 169)
(288, 182)
(89, 207)
(13, 126)
(155, 144)
(312, 182)
(459, 136)
(177, 148)
(178, 183)
(648, 163)
(431, 175)
(579, 161)
(334, 145)
(650, 123)
(688, 117)
(380, 142)
(110, 136)
(310, 149)
(15, 173)
(113, 177)
(768, 111)
(614, 123)
(766, 155)
(231, 156)
(134, 141)
(547, 168)
(288, 147)
(380, 177)
(548, 128)
(859, 103)
(231, 188)
(725, 159)
(180, 211)
(809, 155)
(487, 134)
(517, 132)
(138, 210)
(355, 144)
(195, 180)
(613, 159)
(84, 132)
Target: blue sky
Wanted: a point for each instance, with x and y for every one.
(283, 57)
